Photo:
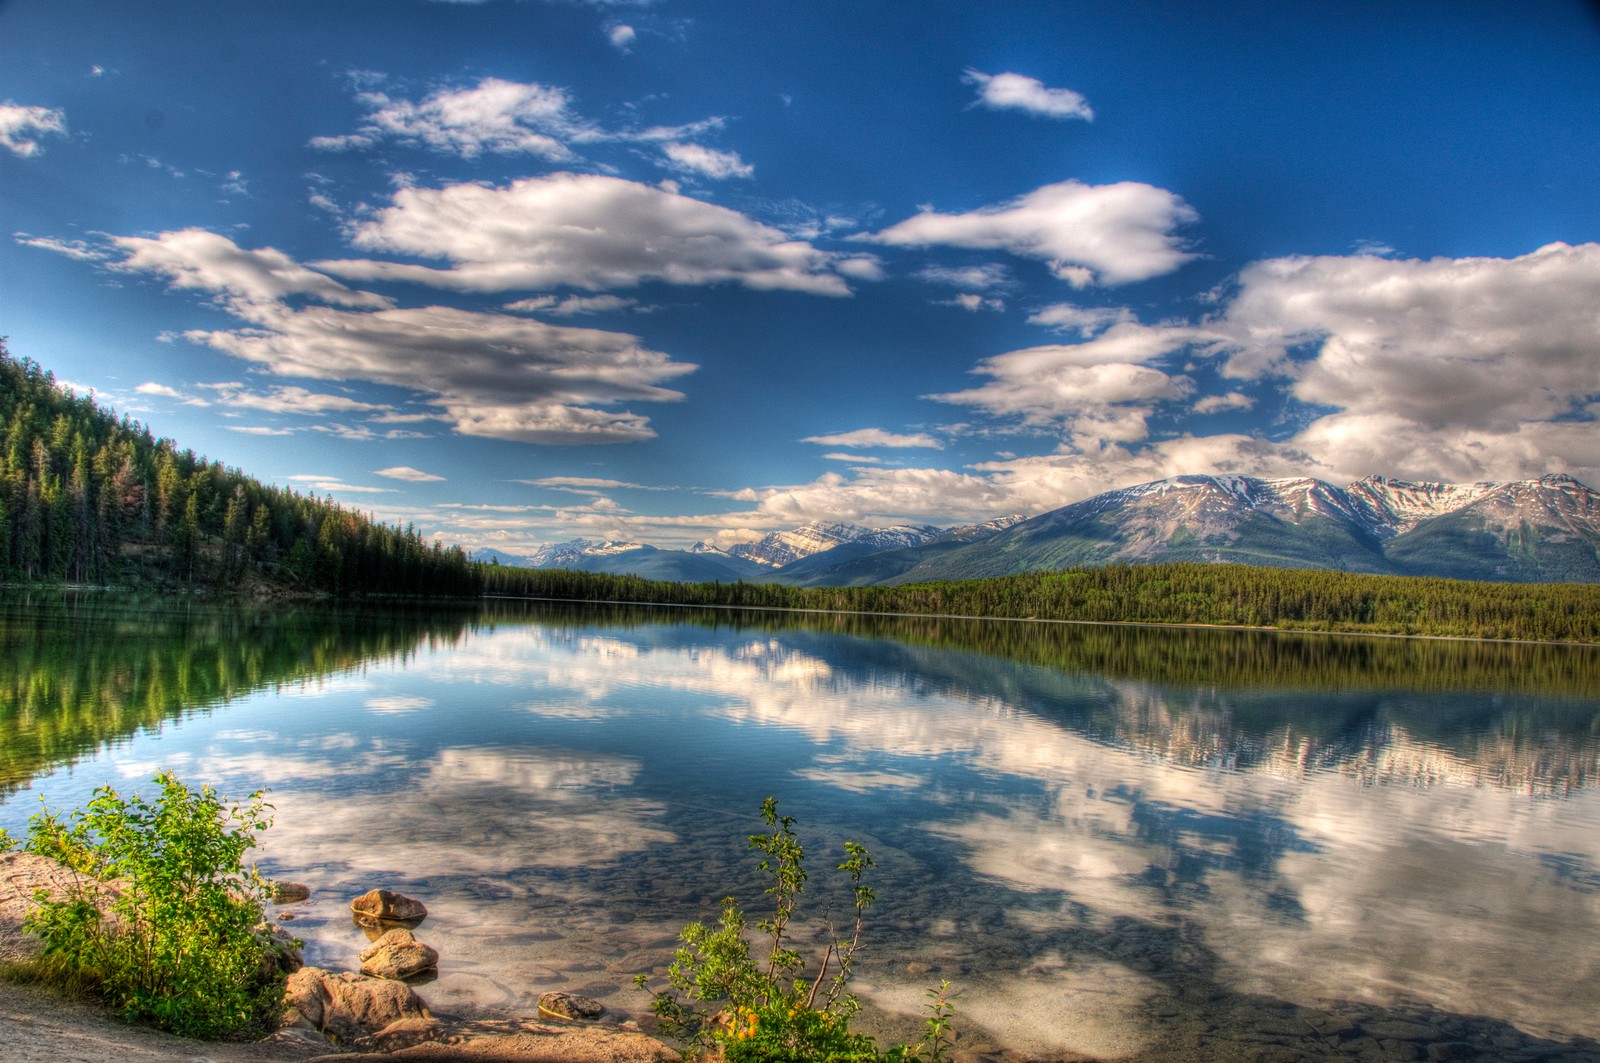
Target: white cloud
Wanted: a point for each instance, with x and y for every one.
(875, 437)
(408, 474)
(333, 483)
(973, 302)
(492, 374)
(706, 162)
(621, 37)
(584, 483)
(200, 260)
(165, 392)
(81, 250)
(496, 116)
(1470, 368)
(1016, 92)
(288, 399)
(585, 231)
(1102, 389)
(972, 278)
(1111, 234)
(1233, 400)
(574, 304)
(22, 126)
(1084, 320)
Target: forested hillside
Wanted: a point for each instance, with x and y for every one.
(1291, 599)
(87, 497)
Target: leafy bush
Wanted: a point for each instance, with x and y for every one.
(721, 997)
(164, 921)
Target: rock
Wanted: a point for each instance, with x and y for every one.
(532, 1043)
(389, 907)
(289, 892)
(398, 954)
(347, 1006)
(402, 1034)
(569, 1006)
(283, 954)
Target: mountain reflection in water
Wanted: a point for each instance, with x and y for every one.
(1114, 841)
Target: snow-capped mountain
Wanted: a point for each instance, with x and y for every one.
(781, 548)
(1528, 530)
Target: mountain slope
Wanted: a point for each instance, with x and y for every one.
(1531, 530)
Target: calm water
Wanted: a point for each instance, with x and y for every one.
(1114, 842)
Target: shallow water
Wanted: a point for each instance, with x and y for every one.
(1114, 842)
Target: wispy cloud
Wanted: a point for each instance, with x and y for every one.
(875, 437)
(22, 126)
(700, 161)
(408, 474)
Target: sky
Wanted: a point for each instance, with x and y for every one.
(520, 271)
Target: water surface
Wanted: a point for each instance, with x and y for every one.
(1115, 842)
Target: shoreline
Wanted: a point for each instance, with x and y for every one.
(1170, 625)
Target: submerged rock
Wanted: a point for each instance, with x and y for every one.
(289, 892)
(569, 1006)
(398, 954)
(388, 907)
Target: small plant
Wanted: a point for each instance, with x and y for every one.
(164, 920)
(722, 998)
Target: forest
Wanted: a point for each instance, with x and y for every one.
(90, 498)
(1212, 594)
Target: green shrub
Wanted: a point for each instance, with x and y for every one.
(164, 921)
(720, 997)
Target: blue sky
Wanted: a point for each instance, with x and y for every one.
(525, 270)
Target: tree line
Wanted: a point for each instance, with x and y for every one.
(88, 497)
(1195, 593)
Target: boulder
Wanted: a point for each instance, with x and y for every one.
(388, 907)
(569, 1006)
(345, 1006)
(398, 954)
(283, 955)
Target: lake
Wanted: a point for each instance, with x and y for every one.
(1115, 842)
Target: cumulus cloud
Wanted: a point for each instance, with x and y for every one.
(621, 37)
(1107, 234)
(701, 161)
(584, 231)
(21, 127)
(408, 474)
(1016, 92)
(1103, 388)
(1472, 368)
(491, 374)
(876, 437)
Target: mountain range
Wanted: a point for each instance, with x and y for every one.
(1544, 530)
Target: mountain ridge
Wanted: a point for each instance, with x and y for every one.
(1536, 530)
